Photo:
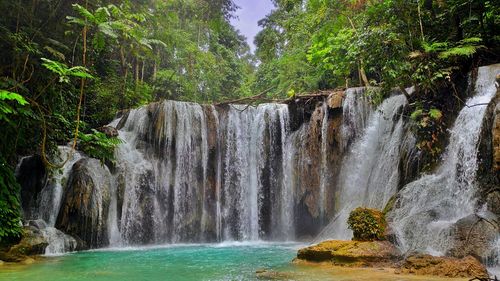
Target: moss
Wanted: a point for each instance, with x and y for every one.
(367, 224)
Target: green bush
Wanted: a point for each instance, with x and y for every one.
(98, 145)
(10, 210)
(367, 224)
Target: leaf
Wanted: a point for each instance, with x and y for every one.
(415, 114)
(86, 14)
(7, 95)
(80, 71)
(435, 114)
(76, 21)
(460, 51)
(55, 53)
(108, 30)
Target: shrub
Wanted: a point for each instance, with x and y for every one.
(98, 145)
(10, 210)
(367, 224)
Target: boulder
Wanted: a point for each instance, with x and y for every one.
(85, 204)
(367, 224)
(352, 253)
(32, 243)
(467, 267)
(473, 235)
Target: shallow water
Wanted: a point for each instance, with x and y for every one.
(229, 261)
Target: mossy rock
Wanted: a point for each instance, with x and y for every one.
(367, 224)
(351, 253)
(467, 267)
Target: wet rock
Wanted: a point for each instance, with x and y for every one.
(493, 201)
(467, 267)
(109, 131)
(496, 139)
(58, 241)
(488, 173)
(473, 235)
(85, 204)
(351, 253)
(32, 243)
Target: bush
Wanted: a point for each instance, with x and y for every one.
(98, 145)
(10, 210)
(367, 224)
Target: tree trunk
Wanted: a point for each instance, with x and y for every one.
(142, 71)
(125, 74)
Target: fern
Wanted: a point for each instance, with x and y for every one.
(460, 51)
(64, 72)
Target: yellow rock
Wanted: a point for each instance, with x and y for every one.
(468, 267)
(28, 261)
(351, 253)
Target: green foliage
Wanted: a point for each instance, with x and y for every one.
(98, 145)
(64, 72)
(11, 104)
(429, 128)
(10, 216)
(367, 224)
(393, 43)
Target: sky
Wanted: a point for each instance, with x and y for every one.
(250, 12)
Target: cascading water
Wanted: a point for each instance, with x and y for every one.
(51, 194)
(427, 208)
(43, 216)
(368, 175)
(356, 112)
(190, 173)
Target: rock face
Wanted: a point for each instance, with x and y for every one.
(473, 235)
(467, 267)
(31, 175)
(489, 154)
(85, 204)
(351, 253)
(496, 139)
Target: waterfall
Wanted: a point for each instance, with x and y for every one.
(324, 163)
(51, 194)
(190, 173)
(426, 209)
(356, 112)
(369, 174)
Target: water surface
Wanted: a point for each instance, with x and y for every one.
(228, 261)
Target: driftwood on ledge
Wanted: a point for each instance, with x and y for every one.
(262, 98)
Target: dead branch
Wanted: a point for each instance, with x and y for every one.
(251, 99)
